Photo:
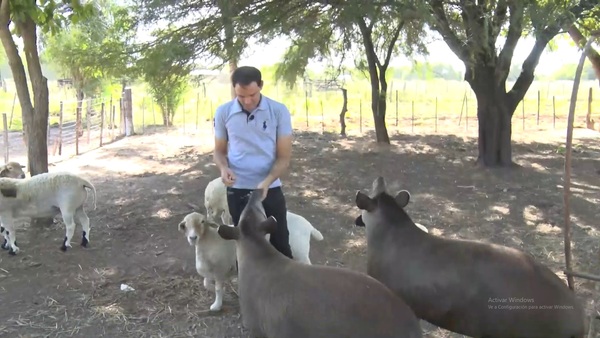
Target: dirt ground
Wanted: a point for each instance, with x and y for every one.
(146, 184)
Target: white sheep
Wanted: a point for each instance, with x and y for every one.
(215, 201)
(45, 195)
(216, 257)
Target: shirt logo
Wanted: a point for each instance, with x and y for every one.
(264, 127)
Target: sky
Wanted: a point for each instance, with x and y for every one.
(439, 51)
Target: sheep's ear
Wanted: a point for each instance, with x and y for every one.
(269, 225)
(228, 232)
(181, 226)
(22, 166)
(9, 192)
(402, 198)
(364, 202)
(4, 171)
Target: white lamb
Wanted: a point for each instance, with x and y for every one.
(215, 201)
(216, 257)
(45, 195)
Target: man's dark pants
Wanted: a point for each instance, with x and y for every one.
(274, 205)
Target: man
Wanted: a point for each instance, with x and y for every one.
(253, 146)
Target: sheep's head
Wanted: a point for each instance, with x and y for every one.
(194, 226)
(253, 220)
(12, 170)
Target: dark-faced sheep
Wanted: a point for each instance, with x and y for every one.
(282, 298)
(469, 287)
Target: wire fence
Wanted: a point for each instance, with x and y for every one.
(76, 127)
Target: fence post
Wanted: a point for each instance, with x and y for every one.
(88, 114)
(553, 111)
(436, 113)
(127, 112)
(538, 107)
(396, 107)
(197, 108)
(360, 116)
(588, 117)
(60, 129)
(101, 122)
(412, 127)
(77, 126)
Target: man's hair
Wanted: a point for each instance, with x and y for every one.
(245, 75)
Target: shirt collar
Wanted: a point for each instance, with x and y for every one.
(237, 108)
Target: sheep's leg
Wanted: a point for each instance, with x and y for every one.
(69, 220)
(85, 223)
(5, 244)
(208, 285)
(216, 306)
(10, 234)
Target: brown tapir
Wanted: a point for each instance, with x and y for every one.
(468, 287)
(282, 298)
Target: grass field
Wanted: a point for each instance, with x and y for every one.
(417, 101)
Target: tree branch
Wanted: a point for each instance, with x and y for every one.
(390, 48)
(515, 30)
(443, 27)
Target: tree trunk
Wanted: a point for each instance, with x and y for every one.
(232, 68)
(592, 55)
(380, 127)
(80, 96)
(377, 79)
(343, 113)
(37, 150)
(18, 71)
(494, 113)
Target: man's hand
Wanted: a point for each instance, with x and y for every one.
(264, 186)
(227, 177)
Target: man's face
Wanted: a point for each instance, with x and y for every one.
(248, 96)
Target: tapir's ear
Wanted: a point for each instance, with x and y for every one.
(9, 192)
(269, 225)
(228, 232)
(359, 221)
(364, 202)
(402, 198)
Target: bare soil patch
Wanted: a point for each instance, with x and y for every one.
(147, 183)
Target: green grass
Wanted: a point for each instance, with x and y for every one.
(420, 99)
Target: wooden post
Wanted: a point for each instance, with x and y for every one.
(436, 113)
(553, 111)
(538, 108)
(143, 113)
(588, 117)
(127, 112)
(523, 113)
(88, 120)
(113, 124)
(60, 129)
(360, 117)
(396, 107)
(322, 118)
(101, 122)
(197, 108)
(5, 124)
(306, 106)
(412, 127)
(122, 126)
